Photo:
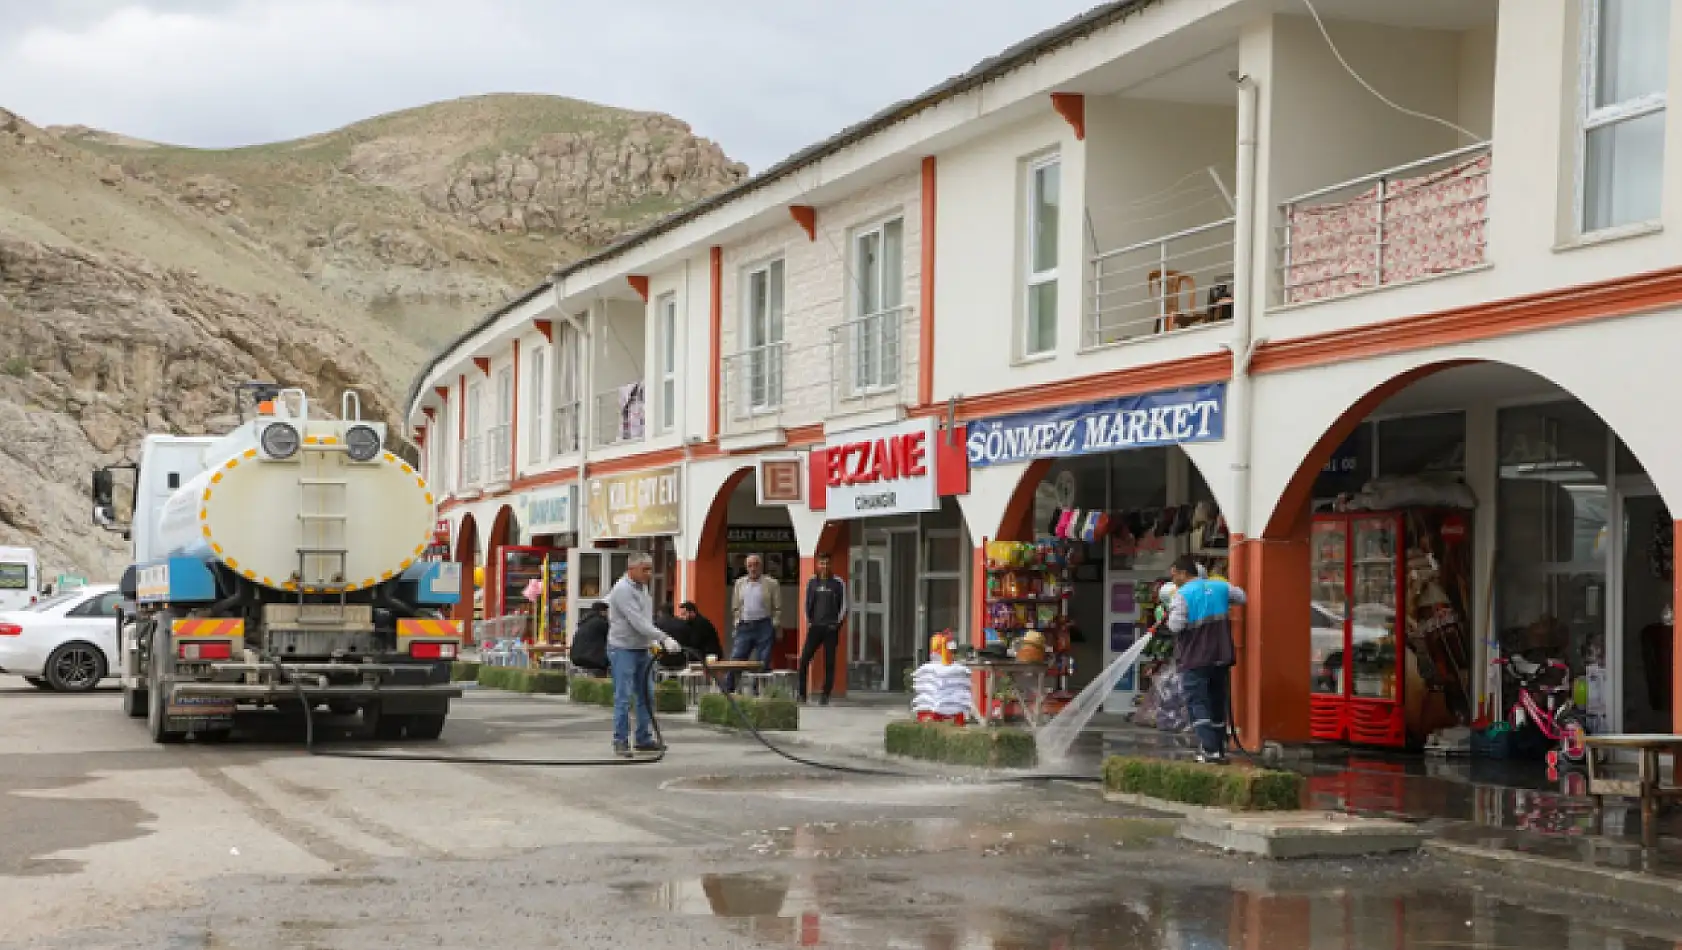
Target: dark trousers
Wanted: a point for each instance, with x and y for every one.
(753, 640)
(1208, 689)
(827, 636)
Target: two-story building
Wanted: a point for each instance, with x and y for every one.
(1366, 304)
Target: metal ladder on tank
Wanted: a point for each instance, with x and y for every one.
(316, 516)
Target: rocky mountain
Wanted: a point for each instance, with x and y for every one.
(139, 281)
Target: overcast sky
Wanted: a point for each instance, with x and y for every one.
(762, 77)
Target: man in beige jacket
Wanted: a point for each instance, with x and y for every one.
(756, 603)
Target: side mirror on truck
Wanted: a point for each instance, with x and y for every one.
(112, 508)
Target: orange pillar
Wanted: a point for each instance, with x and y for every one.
(1272, 679)
(1676, 653)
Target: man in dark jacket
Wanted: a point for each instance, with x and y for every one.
(588, 649)
(826, 611)
(702, 635)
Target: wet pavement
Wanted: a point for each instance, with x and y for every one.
(114, 843)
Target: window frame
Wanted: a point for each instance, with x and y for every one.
(537, 369)
(567, 384)
(762, 351)
(1032, 279)
(1592, 118)
(665, 336)
(884, 372)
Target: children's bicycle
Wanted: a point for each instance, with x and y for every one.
(1544, 702)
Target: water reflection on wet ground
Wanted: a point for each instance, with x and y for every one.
(810, 910)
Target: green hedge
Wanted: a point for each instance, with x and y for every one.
(522, 680)
(462, 672)
(1221, 786)
(986, 747)
(593, 690)
(669, 696)
(768, 713)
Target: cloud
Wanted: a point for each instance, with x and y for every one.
(763, 77)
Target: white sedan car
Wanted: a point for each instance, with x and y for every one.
(67, 642)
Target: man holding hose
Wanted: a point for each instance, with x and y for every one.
(1199, 616)
(630, 632)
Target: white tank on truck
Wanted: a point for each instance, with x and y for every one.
(283, 563)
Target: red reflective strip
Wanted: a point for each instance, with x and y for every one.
(427, 651)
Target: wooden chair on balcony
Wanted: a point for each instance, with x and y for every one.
(1175, 295)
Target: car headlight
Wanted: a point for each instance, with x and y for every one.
(279, 440)
(362, 443)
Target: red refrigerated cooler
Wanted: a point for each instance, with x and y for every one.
(1390, 648)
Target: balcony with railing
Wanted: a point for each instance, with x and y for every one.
(501, 452)
(752, 393)
(1408, 223)
(868, 362)
(470, 464)
(621, 415)
(567, 427)
(1160, 285)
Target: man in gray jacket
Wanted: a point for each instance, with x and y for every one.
(630, 632)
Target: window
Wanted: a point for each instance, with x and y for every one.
(536, 389)
(1625, 74)
(878, 280)
(499, 447)
(566, 389)
(104, 605)
(1040, 312)
(764, 336)
(472, 446)
(666, 332)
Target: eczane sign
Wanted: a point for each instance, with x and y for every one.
(885, 470)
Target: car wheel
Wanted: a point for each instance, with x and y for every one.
(37, 682)
(75, 668)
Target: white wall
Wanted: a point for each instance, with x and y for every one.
(1139, 154)
(817, 289)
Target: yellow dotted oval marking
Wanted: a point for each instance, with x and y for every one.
(233, 564)
(370, 582)
(207, 494)
(407, 564)
(268, 582)
(420, 549)
(217, 477)
(386, 576)
(207, 531)
(290, 585)
(389, 457)
(232, 464)
(250, 453)
(217, 548)
(329, 440)
(204, 514)
(407, 470)
(249, 574)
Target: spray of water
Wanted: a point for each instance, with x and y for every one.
(1055, 738)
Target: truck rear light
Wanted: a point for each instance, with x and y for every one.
(432, 651)
(10, 630)
(207, 651)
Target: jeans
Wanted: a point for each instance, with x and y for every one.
(630, 680)
(1207, 691)
(753, 640)
(827, 636)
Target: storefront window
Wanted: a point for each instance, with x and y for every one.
(1349, 468)
(1419, 445)
(1552, 527)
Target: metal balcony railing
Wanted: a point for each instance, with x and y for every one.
(867, 360)
(1412, 221)
(501, 452)
(752, 393)
(472, 462)
(567, 428)
(1167, 283)
(621, 415)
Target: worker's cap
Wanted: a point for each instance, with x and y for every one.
(599, 605)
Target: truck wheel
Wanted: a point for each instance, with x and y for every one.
(134, 702)
(157, 692)
(428, 726)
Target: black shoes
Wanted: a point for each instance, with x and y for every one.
(824, 701)
(650, 747)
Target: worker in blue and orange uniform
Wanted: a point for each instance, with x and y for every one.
(1200, 618)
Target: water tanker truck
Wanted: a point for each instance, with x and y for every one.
(286, 555)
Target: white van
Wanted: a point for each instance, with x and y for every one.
(20, 578)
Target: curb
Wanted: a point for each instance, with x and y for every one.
(1624, 887)
(1283, 835)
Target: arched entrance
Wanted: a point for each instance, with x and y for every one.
(502, 528)
(736, 527)
(1457, 510)
(467, 555)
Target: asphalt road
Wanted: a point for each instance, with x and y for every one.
(109, 841)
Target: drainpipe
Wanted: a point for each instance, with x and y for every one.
(1243, 345)
(582, 329)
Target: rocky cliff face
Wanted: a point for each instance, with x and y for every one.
(139, 282)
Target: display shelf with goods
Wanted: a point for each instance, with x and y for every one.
(555, 619)
(1027, 617)
(518, 567)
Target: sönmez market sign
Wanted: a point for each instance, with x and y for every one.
(1127, 422)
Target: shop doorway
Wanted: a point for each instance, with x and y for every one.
(882, 640)
(1643, 647)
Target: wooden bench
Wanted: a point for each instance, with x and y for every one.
(1647, 787)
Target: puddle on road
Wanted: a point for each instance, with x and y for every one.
(1060, 835)
(35, 823)
(842, 790)
(842, 911)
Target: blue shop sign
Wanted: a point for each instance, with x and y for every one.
(1126, 422)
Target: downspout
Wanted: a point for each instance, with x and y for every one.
(1240, 414)
(581, 330)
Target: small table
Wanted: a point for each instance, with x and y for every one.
(542, 653)
(1020, 676)
(1646, 786)
(724, 667)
